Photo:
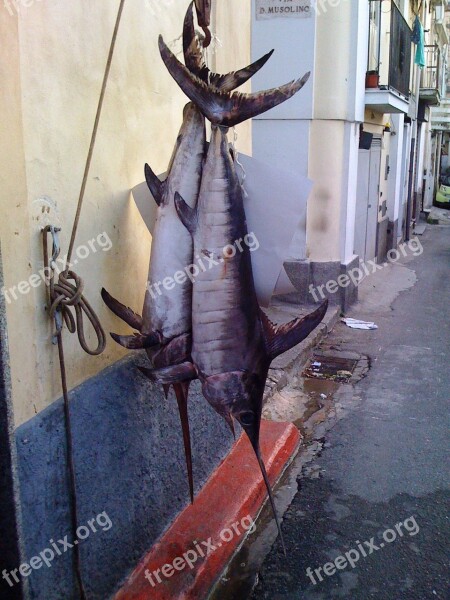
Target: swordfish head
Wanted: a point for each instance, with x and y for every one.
(239, 395)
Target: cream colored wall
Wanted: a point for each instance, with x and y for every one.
(54, 55)
(328, 147)
(326, 154)
(14, 222)
(333, 65)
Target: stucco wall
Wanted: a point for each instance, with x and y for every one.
(54, 55)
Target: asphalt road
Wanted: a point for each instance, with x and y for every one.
(385, 466)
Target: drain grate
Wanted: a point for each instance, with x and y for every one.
(327, 366)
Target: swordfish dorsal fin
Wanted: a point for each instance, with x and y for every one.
(225, 109)
(123, 312)
(193, 59)
(282, 338)
(188, 215)
(155, 185)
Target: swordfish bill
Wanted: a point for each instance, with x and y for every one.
(194, 62)
(224, 108)
(233, 340)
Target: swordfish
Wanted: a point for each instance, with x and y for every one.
(165, 327)
(233, 341)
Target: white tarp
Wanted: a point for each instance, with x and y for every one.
(275, 206)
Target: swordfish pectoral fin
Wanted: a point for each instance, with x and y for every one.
(169, 375)
(138, 341)
(155, 185)
(123, 312)
(193, 59)
(225, 109)
(284, 337)
(188, 216)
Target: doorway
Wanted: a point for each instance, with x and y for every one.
(367, 197)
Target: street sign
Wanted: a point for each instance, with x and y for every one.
(271, 9)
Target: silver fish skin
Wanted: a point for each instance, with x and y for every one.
(169, 311)
(233, 340)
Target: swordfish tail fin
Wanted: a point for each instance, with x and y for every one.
(221, 108)
(194, 62)
(181, 393)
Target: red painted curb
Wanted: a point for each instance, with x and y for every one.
(234, 491)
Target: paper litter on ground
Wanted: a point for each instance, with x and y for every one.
(357, 324)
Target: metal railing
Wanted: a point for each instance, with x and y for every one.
(431, 74)
(400, 52)
(390, 41)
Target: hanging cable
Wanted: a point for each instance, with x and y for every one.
(94, 134)
(66, 294)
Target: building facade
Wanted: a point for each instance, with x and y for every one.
(364, 134)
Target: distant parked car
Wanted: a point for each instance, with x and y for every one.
(442, 199)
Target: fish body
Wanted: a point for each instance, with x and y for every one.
(165, 325)
(164, 330)
(233, 341)
(169, 311)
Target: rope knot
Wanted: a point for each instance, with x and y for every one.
(67, 293)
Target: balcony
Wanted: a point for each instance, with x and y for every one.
(440, 116)
(390, 58)
(431, 77)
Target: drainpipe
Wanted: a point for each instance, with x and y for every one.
(10, 554)
(412, 162)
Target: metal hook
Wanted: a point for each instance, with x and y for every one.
(56, 247)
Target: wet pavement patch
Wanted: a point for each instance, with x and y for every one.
(341, 367)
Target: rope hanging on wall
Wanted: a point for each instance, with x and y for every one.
(67, 293)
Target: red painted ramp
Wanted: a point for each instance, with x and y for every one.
(190, 557)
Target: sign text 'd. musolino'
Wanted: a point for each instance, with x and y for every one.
(269, 9)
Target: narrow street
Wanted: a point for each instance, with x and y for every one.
(385, 461)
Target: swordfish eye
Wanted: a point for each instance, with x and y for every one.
(247, 418)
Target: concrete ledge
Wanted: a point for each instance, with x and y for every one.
(315, 281)
(234, 491)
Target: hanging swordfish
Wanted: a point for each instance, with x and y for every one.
(165, 326)
(234, 342)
